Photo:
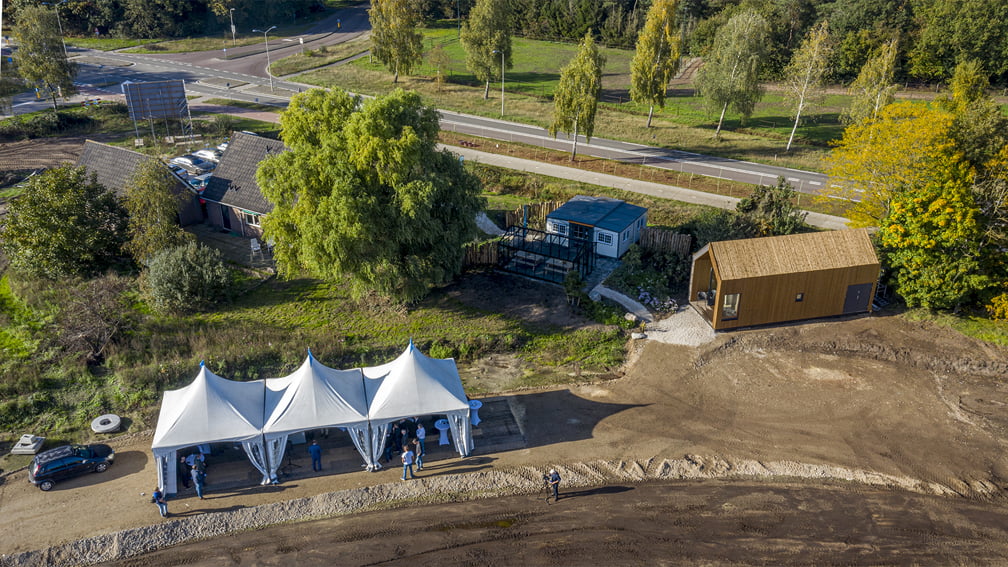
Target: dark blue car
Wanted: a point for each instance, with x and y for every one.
(68, 461)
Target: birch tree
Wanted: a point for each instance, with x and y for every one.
(874, 88)
(395, 40)
(806, 73)
(576, 97)
(657, 56)
(40, 58)
(730, 74)
(485, 36)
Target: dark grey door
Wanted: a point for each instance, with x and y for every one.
(858, 297)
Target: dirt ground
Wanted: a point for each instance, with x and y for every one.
(704, 523)
(822, 408)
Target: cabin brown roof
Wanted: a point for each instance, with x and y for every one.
(233, 183)
(809, 252)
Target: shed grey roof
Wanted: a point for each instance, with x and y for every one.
(233, 182)
(600, 212)
(114, 167)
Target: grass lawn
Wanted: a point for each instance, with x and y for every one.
(315, 58)
(684, 123)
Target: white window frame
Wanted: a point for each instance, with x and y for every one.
(605, 238)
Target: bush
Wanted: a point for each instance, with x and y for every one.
(187, 278)
(998, 308)
(652, 278)
(223, 124)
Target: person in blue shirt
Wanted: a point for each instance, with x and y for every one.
(554, 482)
(316, 456)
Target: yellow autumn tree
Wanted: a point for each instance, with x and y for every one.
(898, 151)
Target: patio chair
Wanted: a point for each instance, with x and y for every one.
(256, 249)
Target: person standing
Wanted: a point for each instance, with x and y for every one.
(316, 456)
(182, 471)
(421, 436)
(554, 482)
(418, 446)
(158, 498)
(198, 479)
(407, 462)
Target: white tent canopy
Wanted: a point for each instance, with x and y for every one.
(413, 385)
(261, 414)
(313, 397)
(210, 409)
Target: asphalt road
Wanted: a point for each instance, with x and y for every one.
(240, 74)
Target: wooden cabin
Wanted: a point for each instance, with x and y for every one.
(760, 281)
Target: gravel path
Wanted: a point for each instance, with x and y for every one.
(684, 327)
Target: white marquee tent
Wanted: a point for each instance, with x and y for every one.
(261, 414)
(316, 396)
(211, 409)
(413, 385)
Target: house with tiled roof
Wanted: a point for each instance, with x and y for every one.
(232, 197)
(113, 167)
(761, 281)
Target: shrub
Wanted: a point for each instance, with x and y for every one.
(998, 308)
(223, 124)
(187, 278)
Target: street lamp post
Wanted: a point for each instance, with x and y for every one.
(502, 79)
(56, 6)
(266, 39)
(234, 41)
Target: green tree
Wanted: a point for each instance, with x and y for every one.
(395, 40)
(190, 277)
(933, 239)
(772, 210)
(485, 36)
(878, 159)
(40, 58)
(980, 129)
(657, 56)
(438, 58)
(730, 74)
(805, 75)
(153, 211)
(576, 97)
(364, 195)
(64, 224)
(952, 31)
(874, 88)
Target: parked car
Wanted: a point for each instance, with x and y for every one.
(178, 170)
(209, 154)
(222, 146)
(68, 461)
(193, 164)
(199, 182)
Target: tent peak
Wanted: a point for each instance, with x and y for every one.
(202, 364)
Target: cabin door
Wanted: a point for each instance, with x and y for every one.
(858, 297)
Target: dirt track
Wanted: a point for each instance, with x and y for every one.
(877, 397)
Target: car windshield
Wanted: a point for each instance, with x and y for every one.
(82, 451)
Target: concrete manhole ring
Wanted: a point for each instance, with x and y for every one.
(108, 423)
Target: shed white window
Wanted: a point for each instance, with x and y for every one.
(605, 238)
(730, 308)
(560, 228)
(250, 219)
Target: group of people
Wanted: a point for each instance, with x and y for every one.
(410, 436)
(191, 471)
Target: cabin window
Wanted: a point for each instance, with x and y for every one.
(605, 238)
(581, 231)
(799, 298)
(560, 228)
(730, 308)
(250, 219)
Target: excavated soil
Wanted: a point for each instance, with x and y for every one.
(872, 440)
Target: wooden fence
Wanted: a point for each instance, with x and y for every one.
(659, 239)
(480, 254)
(536, 215)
